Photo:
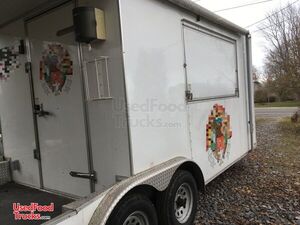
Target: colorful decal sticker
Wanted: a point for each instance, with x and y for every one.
(56, 69)
(218, 135)
(9, 61)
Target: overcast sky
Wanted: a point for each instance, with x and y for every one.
(246, 16)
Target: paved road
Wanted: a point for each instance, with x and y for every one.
(275, 111)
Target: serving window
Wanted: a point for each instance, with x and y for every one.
(211, 64)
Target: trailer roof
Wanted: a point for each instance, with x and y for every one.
(205, 13)
(11, 10)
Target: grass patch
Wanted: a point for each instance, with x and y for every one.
(289, 146)
(279, 104)
(290, 129)
(262, 120)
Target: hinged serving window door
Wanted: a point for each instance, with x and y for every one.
(210, 63)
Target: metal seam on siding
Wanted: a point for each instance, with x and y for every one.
(126, 102)
(250, 91)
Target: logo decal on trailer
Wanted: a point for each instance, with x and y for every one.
(9, 61)
(218, 135)
(56, 69)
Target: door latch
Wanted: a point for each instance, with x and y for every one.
(39, 110)
(36, 154)
(90, 176)
(189, 95)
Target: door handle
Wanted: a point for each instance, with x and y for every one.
(90, 176)
(39, 110)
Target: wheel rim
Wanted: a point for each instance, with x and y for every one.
(137, 218)
(183, 204)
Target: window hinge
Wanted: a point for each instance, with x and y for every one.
(237, 92)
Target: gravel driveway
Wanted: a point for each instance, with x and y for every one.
(260, 189)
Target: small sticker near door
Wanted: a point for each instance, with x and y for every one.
(56, 69)
(218, 135)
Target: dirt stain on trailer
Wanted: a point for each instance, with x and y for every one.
(218, 135)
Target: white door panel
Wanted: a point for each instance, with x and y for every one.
(16, 115)
(56, 77)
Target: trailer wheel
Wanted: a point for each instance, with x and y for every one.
(134, 210)
(178, 204)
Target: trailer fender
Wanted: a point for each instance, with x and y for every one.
(195, 170)
(158, 177)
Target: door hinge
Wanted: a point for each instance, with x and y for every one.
(28, 67)
(36, 154)
(22, 47)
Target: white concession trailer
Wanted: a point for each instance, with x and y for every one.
(128, 106)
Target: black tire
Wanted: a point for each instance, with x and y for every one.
(133, 205)
(166, 200)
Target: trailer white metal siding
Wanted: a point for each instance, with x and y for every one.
(16, 118)
(155, 58)
(108, 117)
(171, 86)
(68, 142)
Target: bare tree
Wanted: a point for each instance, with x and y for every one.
(255, 74)
(282, 65)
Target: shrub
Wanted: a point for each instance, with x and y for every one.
(260, 96)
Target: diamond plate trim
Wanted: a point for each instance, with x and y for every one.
(158, 177)
(4, 172)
